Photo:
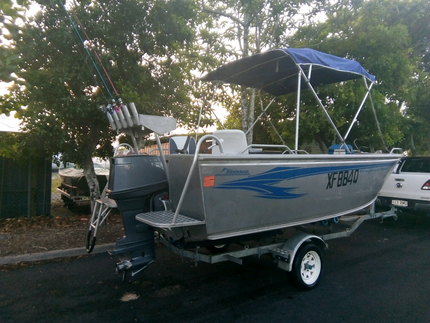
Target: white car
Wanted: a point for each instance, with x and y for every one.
(408, 187)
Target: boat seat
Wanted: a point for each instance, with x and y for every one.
(233, 142)
(182, 145)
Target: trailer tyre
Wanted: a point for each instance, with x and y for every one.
(218, 248)
(69, 203)
(307, 267)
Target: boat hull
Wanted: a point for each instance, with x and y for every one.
(245, 194)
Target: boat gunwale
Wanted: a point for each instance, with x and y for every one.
(292, 157)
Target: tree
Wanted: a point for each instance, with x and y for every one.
(11, 13)
(57, 91)
(255, 25)
(390, 39)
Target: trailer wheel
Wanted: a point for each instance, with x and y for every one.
(218, 248)
(307, 267)
(69, 203)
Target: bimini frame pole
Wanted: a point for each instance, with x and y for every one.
(211, 110)
(256, 119)
(163, 157)
(361, 106)
(200, 117)
(299, 85)
(322, 106)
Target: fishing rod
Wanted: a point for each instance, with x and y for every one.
(86, 48)
(95, 52)
(118, 115)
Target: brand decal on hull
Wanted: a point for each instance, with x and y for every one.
(267, 184)
(229, 171)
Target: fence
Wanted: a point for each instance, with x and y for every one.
(25, 188)
(153, 149)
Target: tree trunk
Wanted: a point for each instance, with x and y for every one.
(88, 165)
(251, 117)
(321, 144)
(413, 149)
(91, 177)
(378, 126)
(244, 106)
(247, 110)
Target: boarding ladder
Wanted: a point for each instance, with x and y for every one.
(101, 210)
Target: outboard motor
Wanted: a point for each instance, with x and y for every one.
(135, 181)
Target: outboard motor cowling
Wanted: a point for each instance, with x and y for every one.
(134, 181)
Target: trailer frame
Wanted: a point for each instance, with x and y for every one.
(285, 251)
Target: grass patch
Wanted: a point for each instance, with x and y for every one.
(55, 183)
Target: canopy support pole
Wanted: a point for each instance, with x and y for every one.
(256, 120)
(361, 106)
(163, 157)
(270, 121)
(200, 117)
(210, 109)
(299, 83)
(322, 107)
(216, 117)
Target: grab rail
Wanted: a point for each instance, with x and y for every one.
(300, 151)
(396, 149)
(123, 145)
(193, 165)
(268, 146)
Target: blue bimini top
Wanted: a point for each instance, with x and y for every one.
(275, 71)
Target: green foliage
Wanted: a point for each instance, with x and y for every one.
(11, 13)
(141, 44)
(253, 26)
(9, 144)
(389, 38)
(154, 50)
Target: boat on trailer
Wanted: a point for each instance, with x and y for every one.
(230, 193)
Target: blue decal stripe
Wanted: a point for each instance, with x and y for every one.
(263, 182)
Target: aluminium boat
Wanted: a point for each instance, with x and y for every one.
(237, 191)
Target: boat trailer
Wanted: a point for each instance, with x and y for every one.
(304, 243)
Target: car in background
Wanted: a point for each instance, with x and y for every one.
(408, 187)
